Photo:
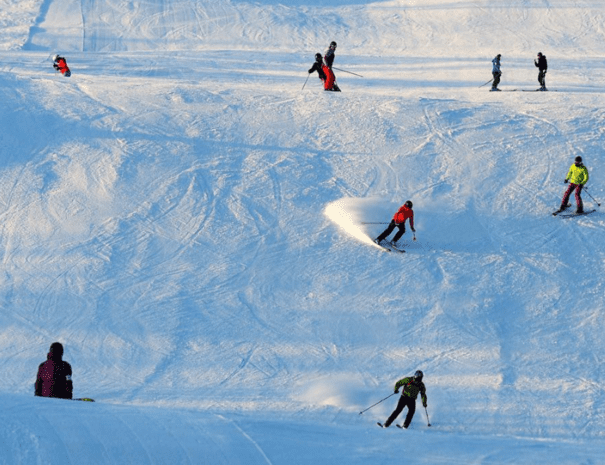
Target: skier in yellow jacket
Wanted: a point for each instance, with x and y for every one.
(577, 177)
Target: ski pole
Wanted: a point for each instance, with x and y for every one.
(586, 190)
(377, 403)
(345, 71)
(486, 83)
(303, 88)
(428, 423)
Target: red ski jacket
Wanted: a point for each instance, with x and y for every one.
(403, 214)
(61, 65)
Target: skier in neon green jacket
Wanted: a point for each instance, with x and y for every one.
(577, 176)
(412, 386)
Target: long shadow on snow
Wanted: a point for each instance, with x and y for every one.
(35, 29)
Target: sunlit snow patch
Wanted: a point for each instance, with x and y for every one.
(350, 214)
(342, 390)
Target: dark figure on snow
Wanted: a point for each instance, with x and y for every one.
(54, 375)
(325, 74)
(398, 221)
(542, 66)
(411, 385)
(60, 64)
(330, 55)
(496, 72)
(577, 177)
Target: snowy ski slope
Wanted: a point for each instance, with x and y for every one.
(188, 222)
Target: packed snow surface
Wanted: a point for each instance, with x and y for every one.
(195, 227)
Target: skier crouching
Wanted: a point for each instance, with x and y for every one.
(325, 74)
(405, 212)
(412, 386)
(60, 64)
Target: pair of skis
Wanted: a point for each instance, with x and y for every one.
(523, 90)
(397, 425)
(388, 246)
(564, 214)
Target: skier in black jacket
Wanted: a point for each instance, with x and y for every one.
(412, 386)
(318, 66)
(325, 74)
(542, 66)
(330, 55)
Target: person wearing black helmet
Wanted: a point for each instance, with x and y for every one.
(325, 74)
(577, 177)
(54, 375)
(496, 72)
(330, 55)
(412, 386)
(542, 66)
(404, 213)
(60, 64)
(318, 66)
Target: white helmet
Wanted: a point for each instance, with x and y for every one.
(55, 57)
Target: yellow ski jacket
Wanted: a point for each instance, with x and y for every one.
(578, 174)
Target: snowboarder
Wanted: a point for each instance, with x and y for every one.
(398, 221)
(325, 74)
(496, 72)
(577, 177)
(330, 54)
(54, 375)
(60, 64)
(542, 66)
(412, 385)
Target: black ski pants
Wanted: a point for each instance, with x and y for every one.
(404, 401)
(392, 225)
(496, 79)
(542, 77)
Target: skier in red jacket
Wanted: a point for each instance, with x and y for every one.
(54, 375)
(60, 64)
(405, 212)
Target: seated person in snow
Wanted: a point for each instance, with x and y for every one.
(54, 375)
(60, 64)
